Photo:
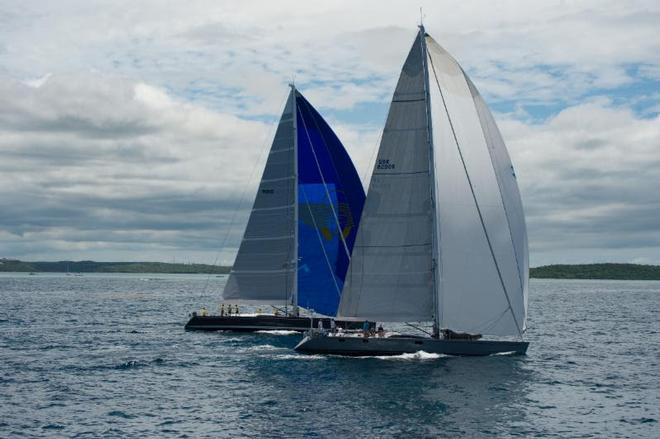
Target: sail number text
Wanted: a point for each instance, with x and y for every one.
(384, 164)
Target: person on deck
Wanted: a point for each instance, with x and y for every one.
(365, 328)
(381, 331)
(333, 326)
(222, 310)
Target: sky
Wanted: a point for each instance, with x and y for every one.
(137, 130)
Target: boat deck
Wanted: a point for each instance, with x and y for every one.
(262, 322)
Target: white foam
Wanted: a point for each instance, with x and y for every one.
(419, 355)
(299, 357)
(263, 347)
(504, 353)
(278, 332)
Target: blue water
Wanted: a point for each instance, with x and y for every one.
(106, 355)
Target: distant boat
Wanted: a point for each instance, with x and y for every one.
(442, 238)
(297, 244)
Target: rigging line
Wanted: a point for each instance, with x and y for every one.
(372, 159)
(417, 327)
(241, 200)
(499, 187)
(334, 167)
(327, 193)
(318, 234)
(436, 261)
(337, 174)
(476, 203)
(489, 324)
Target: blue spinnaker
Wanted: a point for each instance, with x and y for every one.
(331, 198)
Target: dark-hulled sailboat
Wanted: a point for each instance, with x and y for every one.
(442, 237)
(297, 244)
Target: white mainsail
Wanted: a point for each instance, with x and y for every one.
(264, 268)
(481, 266)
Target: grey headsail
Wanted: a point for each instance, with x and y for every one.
(390, 274)
(264, 268)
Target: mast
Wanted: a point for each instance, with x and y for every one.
(294, 288)
(434, 219)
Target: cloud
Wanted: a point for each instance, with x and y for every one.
(130, 130)
(237, 57)
(589, 178)
(108, 162)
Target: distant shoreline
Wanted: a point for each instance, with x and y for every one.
(610, 271)
(109, 267)
(564, 271)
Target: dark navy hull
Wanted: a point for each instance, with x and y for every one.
(261, 323)
(360, 347)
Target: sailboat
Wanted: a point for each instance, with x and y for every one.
(442, 236)
(298, 241)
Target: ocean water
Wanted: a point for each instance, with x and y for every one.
(107, 356)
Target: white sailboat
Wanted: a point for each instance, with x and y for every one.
(442, 236)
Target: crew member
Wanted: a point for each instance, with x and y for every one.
(365, 328)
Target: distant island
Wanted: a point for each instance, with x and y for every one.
(597, 271)
(109, 267)
(577, 271)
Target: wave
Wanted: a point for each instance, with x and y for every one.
(508, 353)
(263, 347)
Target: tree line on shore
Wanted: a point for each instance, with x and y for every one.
(573, 271)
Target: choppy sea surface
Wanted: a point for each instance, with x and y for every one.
(106, 356)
